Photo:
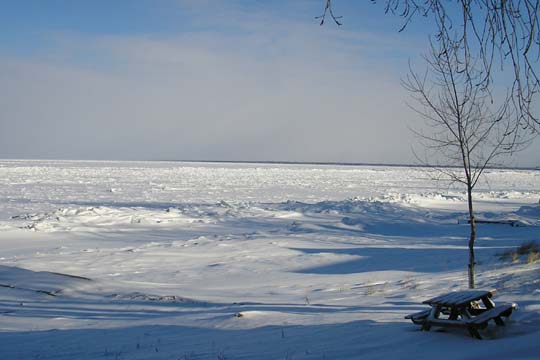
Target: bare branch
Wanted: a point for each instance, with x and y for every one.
(328, 9)
(504, 33)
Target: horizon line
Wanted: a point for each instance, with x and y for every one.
(344, 163)
(278, 162)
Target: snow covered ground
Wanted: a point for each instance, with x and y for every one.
(164, 260)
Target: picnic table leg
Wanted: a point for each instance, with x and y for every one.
(465, 314)
(499, 321)
(474, 332)
(454, 313)
(488, 303)
(434, 314)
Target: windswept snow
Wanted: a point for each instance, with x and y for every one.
(158, 260)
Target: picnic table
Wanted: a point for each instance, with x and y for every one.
(469, 309)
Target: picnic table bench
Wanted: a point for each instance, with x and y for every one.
(469, 309)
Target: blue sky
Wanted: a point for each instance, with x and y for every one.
(206, 79)
(163, 17)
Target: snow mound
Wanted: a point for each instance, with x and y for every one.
(44, 282)
(160, 298)
(527, 215)
(507, 195)
(529, 211)
(105, 218)
(109, 218)
(353, 210)
(417, 199)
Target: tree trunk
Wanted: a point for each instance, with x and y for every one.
(472, 223)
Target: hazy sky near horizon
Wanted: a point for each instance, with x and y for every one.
(207, 80)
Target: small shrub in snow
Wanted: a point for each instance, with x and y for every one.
(532, 257)
(529, 250)
(371, 290)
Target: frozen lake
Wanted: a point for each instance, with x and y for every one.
(171, 260)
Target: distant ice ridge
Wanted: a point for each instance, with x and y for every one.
(394, 207)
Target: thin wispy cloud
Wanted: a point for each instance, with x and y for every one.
(253, 86)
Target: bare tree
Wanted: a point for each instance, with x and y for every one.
(465, 129)
(497, 32)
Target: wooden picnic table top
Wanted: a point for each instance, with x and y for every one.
(459, 298)
(457, 310)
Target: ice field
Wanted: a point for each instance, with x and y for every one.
(176, 260)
